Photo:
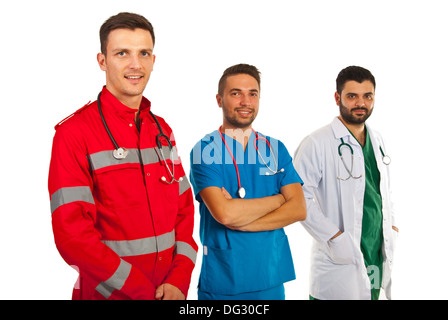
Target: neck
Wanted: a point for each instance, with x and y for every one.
(358, 130)
(241, 135)
(130, 101)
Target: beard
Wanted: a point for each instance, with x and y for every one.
(350, 118)
(233, 119)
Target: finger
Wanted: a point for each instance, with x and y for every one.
(159, 293)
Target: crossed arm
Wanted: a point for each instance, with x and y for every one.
(260, 214)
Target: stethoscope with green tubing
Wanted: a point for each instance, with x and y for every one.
(386, 160)
(121, 153)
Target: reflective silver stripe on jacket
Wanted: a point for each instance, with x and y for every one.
(106, 158)
(126, 248)
(70, 194)
(184, 185)
(186, 249)
(152, 155)
(116, 281)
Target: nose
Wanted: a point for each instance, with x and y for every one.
(135, 62)
(246, 100)
(360, 102)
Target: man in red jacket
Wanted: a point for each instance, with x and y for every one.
(122, 207)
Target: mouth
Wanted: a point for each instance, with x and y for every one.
(244, 112)
(133, 78)
(359, 110)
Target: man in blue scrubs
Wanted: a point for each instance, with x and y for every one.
(248, 191)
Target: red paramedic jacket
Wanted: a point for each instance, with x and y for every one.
(115, 221)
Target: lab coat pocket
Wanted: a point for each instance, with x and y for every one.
(341, 249)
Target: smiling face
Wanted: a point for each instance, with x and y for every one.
(239, 101)
(128, 64)
(356, 101)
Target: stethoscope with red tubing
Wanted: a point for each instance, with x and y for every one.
(241, 190)
(120, 153)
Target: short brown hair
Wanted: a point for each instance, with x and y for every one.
(238, 69)
(124, 20)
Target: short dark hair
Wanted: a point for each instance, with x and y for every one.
(355, 73)
(124, 20)
(238, 69)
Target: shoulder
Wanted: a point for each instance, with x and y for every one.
(321, 133)
(319, 137)
(161, 121)
(207, 150)
(275, 144)
(155, 119)
(76, 118)
(73, 131)
(210, 138)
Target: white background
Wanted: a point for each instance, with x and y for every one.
(49, 70)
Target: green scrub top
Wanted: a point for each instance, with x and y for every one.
(372, 220)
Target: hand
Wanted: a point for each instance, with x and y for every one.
(167, 291)
(341, 249)
(336, 235)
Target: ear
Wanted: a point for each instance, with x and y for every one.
(337, 98)
(101, 58)
(219, 100)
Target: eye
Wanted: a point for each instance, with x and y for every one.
(121, 53)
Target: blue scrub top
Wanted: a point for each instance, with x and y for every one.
(236, 262)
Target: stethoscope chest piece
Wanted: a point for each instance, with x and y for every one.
(120, 153)
(386, 160)
(241, 192)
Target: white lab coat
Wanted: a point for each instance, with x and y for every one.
(337, 266)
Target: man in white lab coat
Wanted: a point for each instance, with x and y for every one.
(345, 170)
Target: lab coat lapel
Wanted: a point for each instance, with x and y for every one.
(351, 190)
(382, 168)
(376, 148)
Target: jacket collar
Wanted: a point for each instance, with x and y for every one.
(341, 131)
(111, 104)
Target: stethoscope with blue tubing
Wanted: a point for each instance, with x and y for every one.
(241, 190)
(386, 160)
(120, 153)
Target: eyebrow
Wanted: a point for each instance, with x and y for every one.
(127, 50)
(239, 90)
(353, 93)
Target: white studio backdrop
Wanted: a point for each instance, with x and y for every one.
(49, 70)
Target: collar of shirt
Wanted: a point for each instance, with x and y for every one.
(112, 104)
(341, 131)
